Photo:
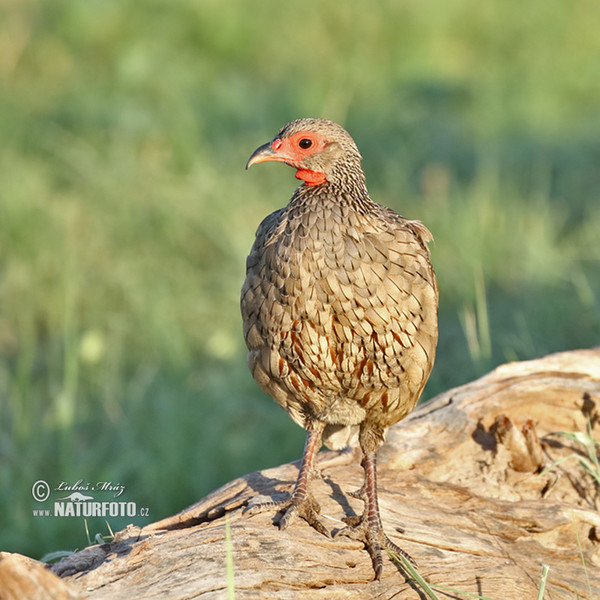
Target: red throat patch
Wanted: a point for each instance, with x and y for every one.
(311, 177)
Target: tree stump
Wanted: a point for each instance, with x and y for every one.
(460, 490)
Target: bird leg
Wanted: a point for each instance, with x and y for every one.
(301, 502)
(368, 528)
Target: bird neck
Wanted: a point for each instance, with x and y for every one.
(351, 192)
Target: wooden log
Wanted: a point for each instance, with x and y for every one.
(23, 578)
(460, 490)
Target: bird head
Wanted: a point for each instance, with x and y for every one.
(319, 150)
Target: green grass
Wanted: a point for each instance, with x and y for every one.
(586, 454)
(427, 587)
(230, 571)
(126, 214)
(587, 579)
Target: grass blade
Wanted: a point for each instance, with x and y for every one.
(545, 570)
(558, 462)
(587, 579)
(469, 594)
(416, 576)
(229, 560)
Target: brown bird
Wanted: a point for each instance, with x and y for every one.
(340, 314)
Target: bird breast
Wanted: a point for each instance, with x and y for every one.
(339, 309)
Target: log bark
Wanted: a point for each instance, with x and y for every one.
(460, 490)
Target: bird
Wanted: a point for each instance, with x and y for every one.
(339, 308)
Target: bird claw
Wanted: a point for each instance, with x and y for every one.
(374, 539)
(351, 522)
(304, 506)
(316, 474)
(361, 493)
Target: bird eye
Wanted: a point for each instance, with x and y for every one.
(305, 143)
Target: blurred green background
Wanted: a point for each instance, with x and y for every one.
(126, 214)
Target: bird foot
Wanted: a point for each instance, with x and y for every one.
(304, 506)
(374, 539)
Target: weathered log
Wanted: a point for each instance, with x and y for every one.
(460, 490)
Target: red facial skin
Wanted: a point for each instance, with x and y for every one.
(290, 152)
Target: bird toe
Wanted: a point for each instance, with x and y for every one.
(374, 539)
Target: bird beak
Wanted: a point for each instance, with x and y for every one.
(263, 154)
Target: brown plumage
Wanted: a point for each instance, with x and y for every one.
(340, 313)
